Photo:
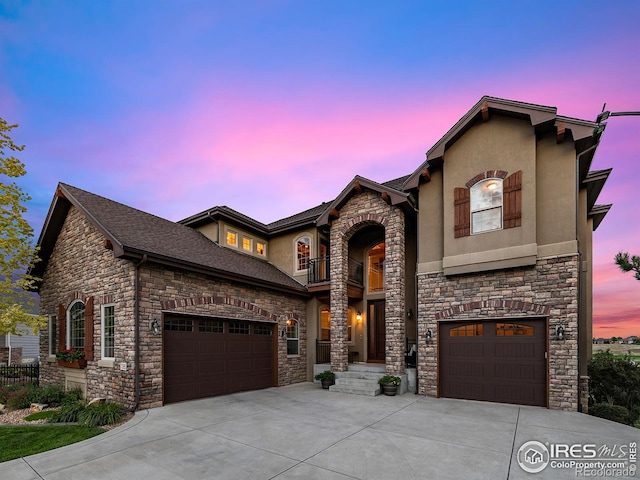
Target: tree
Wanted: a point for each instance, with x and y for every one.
(627, 264)
(17, 253)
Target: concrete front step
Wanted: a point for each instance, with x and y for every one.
(355, 390)
(360, 382)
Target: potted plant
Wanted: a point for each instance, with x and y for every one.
(71, 358)
(390, 384)
(327, 378)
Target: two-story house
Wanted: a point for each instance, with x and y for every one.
(474, 271)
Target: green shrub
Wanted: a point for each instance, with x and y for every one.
(68, 412)
(52, 395)
(615, 381)
(614, 413)
(74, 395)
(101, 414)
(18, 397)
(326, 375)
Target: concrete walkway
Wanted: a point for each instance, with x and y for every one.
(304, 432)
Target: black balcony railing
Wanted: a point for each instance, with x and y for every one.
(319, 271)
(323, 351)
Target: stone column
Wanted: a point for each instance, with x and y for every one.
(395, 294)
(339, 301)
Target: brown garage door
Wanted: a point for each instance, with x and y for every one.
(497, 361)
(204, 357)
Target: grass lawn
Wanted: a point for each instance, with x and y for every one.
(21, 441)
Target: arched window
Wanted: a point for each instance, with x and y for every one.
(293, 338)
(303, 250)
(376, 268)
(75, 326)
(486, 205)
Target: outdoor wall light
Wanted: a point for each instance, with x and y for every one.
(429, 336)
(560, 332)
(155, 326)
(283, 332)
(359, 317)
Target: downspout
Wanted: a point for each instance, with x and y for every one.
(136, 314)
(9, 346)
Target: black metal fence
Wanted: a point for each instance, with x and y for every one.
(19, 374)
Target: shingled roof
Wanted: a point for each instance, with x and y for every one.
(134, 233)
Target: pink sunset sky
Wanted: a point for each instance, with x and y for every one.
(272, 107)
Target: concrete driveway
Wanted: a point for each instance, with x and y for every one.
(304, 432)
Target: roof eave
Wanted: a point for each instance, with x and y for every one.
(136, 255)
(396, 197)
(597, 213)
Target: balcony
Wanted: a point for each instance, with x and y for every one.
(319, 271)
(319, 276)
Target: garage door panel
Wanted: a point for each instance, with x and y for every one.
(515, 350)
(464, 369)
(500, 361)
(202, 358)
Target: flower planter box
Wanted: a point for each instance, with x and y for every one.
(80, 363)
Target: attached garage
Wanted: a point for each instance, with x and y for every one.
(205, 356)
(494, 361)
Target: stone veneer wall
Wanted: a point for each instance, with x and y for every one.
(81, 267)
(361, 210)
(549, 289)
(190, 293)
(16, 355)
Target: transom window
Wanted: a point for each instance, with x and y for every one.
(75, 323)
(108, 331)
(240, 328)
(263, 329)
(179, 325)
(512, 329)
(303, 249)
(293, 339)
(486, 205)
(473, 330)
(210, 326)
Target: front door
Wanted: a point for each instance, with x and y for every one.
(376, 332)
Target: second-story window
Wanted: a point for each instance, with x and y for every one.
(247, 244)
(260, 248)
(232, 238)
(486, 205)
(303, 249)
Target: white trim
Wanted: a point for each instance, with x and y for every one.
(102, 330)
(295, 252)
(250, 249)
(68, 329)
(226, 237)
(297, 339)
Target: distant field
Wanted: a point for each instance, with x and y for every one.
(618, 349)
